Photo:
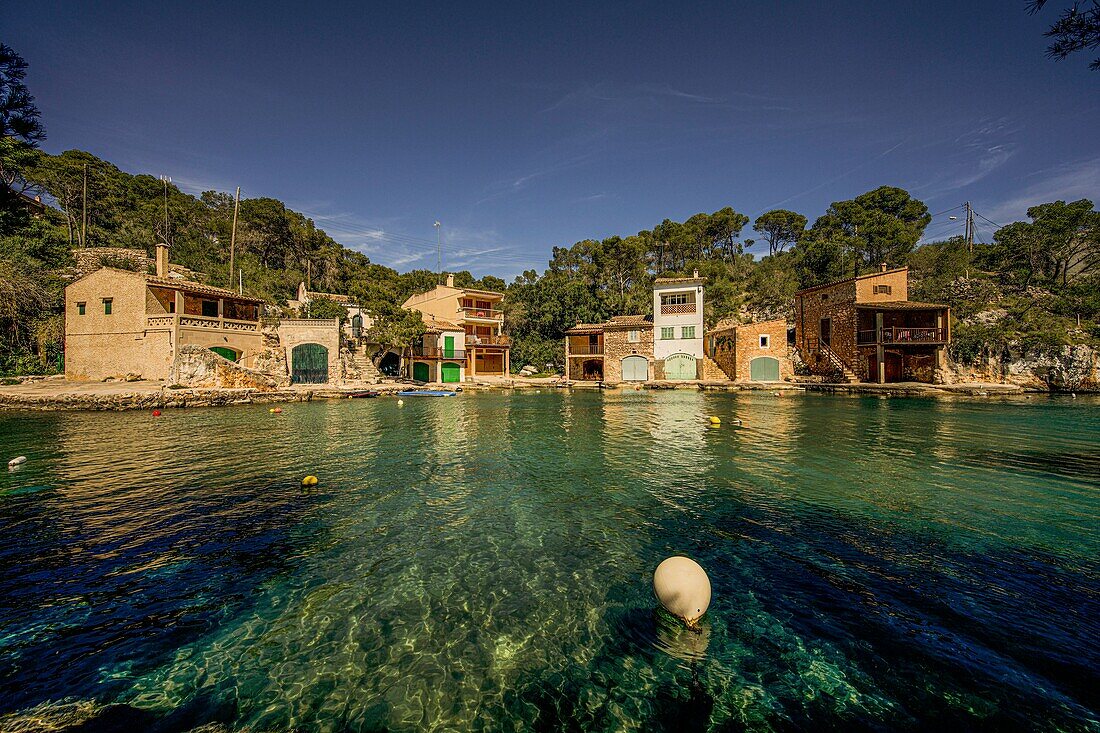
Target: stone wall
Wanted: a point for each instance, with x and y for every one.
(98, 345)
(326, 332)
(90, 259)
(196, 366)
(617, 346)
(1071, 368)
(734, 347)
(836, 302)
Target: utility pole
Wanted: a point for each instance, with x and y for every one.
(233, 235)
(969, 228)
(438, 253)
(167, 180)
(84, 211)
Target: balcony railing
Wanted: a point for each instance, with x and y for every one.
(435, 352)
(677, 309)
(193, 321)
(495, 340)
(903, 335)
(586, 350)
(491, 314)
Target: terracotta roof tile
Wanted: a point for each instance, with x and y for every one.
(901, 305)
(678, 280)
(194, 287)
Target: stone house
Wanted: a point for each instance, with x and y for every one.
(752, 352)
(638, 348)
(619, 350)
(358, 321)
(479, 314)
(120, 323)
(441, 354)
(312, 349)
(865, 328)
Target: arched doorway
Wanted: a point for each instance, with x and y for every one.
(309, 364)
(225, 352)
(420, 371)
(390, 365)
(356, 325)
(764, 369)
(635, 369)
(680, 366)
(450, 372)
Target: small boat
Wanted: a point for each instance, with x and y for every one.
(364, 393)
(426, 393)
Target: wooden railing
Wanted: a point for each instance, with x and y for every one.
(435, 352)
(903, 335)
(677, 309)
(490, 313)
(495, 340)
(586, 350)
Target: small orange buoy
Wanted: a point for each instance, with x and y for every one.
(276, 410)
(156, 413)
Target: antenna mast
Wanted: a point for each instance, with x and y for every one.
(233, 235)
(438, 252)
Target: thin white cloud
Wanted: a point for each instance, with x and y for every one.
(1067, 182)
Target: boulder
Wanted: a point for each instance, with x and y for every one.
(196, 366)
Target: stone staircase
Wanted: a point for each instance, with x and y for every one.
(712, 372)
(845, 372)
(360, 361)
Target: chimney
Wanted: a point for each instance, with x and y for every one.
(162, 259)
(882, 267)
(450, 279)
(695, 274)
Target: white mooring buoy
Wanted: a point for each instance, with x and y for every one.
(17, 461)
(683, 588)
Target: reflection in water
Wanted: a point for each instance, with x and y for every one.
(485, 562)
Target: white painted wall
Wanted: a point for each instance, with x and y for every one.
(677, 345)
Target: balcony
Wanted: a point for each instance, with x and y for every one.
(435, 352)
(495, 340)
(677, 309)
(488, 314)
(586, 350)
(193, 321)
(903, 335)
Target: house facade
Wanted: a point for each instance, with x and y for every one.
(865, 328)
(441, 354)
(119, 322)
(478, 313)
(358, 321)
(752, 352)
(619, 350)
(678, 326)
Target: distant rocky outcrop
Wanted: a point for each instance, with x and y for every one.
(1067, 369)
(196, 366)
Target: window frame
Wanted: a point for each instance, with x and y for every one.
(633, 336)
(677, 298)
(687, 332)
(765, 341)
(668, 333)
(108, 306)
(82, 307)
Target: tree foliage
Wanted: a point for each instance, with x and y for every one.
(1077, 29)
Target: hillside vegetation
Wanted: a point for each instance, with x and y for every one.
(1034, 289)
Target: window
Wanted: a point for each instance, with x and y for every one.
(675, 299)
(765, 341)
(172, 306)
(80, 308)
(210, 308)
(633, 337)
(885, 289)
(687, 332)
(824, 297)
(667, 332)
(107, 303)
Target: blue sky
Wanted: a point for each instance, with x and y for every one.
(521, 128)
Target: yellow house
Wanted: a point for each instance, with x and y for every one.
(478, 314)
(119, 322)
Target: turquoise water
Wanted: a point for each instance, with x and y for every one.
(483, 562)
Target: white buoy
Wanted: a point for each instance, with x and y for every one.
(17, 461)
(683, 588)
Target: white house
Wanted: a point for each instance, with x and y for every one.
(678, 325)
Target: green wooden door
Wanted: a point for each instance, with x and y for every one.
(309, 364)
(635, 369)
(420, 371)
(224, 352)
(764, 369)
(680, 366)
(448, 347)
(450, 371)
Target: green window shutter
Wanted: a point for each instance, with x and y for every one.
(107, 304)
(667, 332)
(687, 332)
(80, 308)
